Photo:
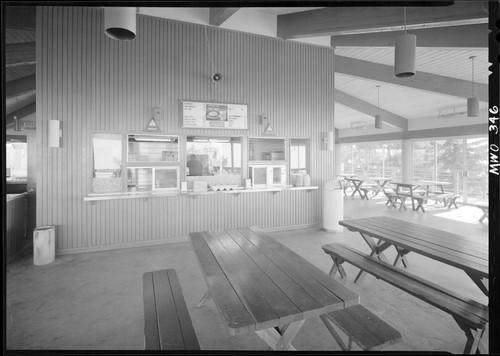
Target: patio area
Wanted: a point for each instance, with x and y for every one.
(93, 301)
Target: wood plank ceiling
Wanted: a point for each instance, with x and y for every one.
(363, 39)
(20, 64)
(448, 33)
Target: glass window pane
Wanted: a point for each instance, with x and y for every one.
(107, 159)
(17, 160)
(477, 169)
(266, 149)
(139, 179)
(423, 160)
(153, 148)
(166, 178)
(208, 156)
(298, 155)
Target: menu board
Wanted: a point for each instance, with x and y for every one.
(214, 115)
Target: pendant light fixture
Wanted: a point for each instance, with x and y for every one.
(120, 22)
(472, 102)
(404, 58)
(378, 118)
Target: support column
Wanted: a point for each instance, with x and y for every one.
(406, 160)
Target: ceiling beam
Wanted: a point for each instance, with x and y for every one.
(467, 36)
(20, 113)
(421, 80)
(388, 117)
(334, 21)
(20, 86)
(17, 54)
(219, 15)
(20, 17)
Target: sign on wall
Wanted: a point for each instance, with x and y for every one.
(205, 115)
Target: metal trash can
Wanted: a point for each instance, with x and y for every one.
(44, 245)
(333, 206)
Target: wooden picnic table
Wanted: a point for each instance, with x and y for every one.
(409, 189)
(260, 285)
(406, 237)
(378, 184)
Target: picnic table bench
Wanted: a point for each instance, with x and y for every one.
(471, 316)
(167, 324)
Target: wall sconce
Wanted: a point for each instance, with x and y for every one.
(330, 140)
(55, 133)
(262, 119)
(120, 22)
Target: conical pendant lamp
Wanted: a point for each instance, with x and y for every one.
(404, 54)
(120, 22)
(472, 102)
(378, 118)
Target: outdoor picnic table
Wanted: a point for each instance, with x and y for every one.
(410, 188)
(260, 285)
(406, 237)
(377, 183)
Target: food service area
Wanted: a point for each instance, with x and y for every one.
(252, 178)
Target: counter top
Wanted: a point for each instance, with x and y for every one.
(10, 197)
(96, 197)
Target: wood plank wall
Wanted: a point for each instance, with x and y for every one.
(92, 83)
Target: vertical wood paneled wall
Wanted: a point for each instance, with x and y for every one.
(92, 83)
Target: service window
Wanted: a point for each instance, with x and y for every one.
(299, 153)
(210, 156)
(134, 163)
(107, 171)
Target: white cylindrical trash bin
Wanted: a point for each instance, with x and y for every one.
(333, 206)
(44, 245)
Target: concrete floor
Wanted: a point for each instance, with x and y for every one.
(93, 301)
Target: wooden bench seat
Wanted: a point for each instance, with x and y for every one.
(362, 327)
(167, 324)
(472, 317)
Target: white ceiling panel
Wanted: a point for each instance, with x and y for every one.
(454, 63)
(403, 101)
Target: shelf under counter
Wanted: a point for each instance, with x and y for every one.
(274, 190)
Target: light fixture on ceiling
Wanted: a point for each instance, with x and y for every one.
(472, 102)
(17, 124)
(120, 22)
(404, 58)
(378, 118)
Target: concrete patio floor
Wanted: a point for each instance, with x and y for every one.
(93, 301)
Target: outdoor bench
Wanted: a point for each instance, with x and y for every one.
(167, 324)
(363, 327)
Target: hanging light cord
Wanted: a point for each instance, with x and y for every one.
(405, 18)
(472, 58)
(378, 99)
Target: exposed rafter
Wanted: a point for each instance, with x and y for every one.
(17, 54)
(467, 36)
(423, 81)
(388, 117)
(20, 113)
(219, 15)
(20, 86)
(355, 20)
(20, 17)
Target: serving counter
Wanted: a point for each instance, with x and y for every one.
(16, 223)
